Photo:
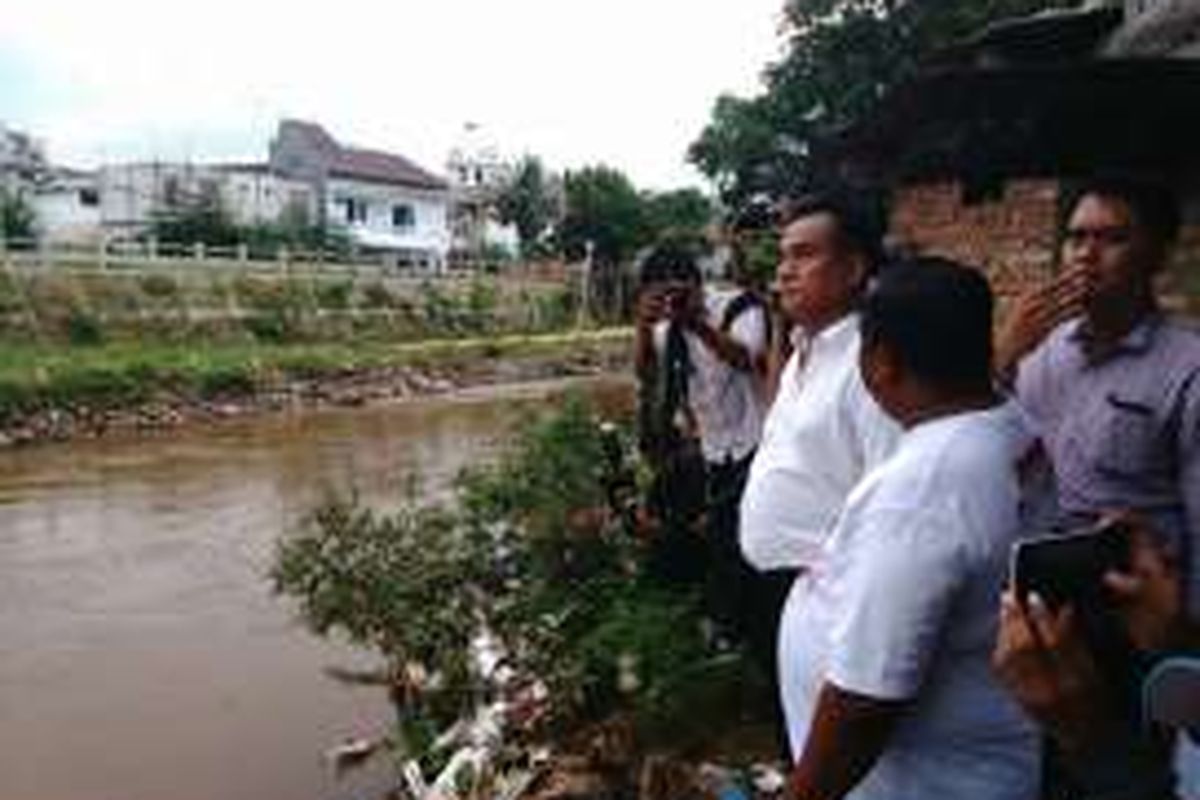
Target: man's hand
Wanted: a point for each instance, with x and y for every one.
(1035, 313)
(1151, 593)
(1042, 660)
(651, 307)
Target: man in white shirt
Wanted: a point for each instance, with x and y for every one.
(885, 645)
(823, 430)
(697, 352)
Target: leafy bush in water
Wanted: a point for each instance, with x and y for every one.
(526, 550)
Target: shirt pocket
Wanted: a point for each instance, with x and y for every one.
(1129, 443)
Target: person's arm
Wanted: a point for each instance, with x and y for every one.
(1041, 659)
(848, 734)
(1150, 594)
(737, 347)
(650, 309)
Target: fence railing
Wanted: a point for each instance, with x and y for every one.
(48, 289)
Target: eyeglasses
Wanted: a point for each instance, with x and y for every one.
(1112, 236)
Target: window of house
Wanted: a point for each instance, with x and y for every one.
(402, 216)
(356, 209)
(89, 197)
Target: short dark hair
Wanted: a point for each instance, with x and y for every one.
(670, 260)
(858, 228)
(1153, 203)
(936, 315)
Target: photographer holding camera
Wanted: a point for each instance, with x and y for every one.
(701, 410)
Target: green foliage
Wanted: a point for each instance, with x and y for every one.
(83, 329)
(682, 212)
(204, 222)
(16, 217)
(523, 552)
(528, 203)
(334, 294)
(843, 55)
(604, 208)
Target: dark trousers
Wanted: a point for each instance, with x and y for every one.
(728, 582)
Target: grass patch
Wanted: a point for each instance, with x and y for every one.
(121, 374)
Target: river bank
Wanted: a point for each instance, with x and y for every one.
(62, 394)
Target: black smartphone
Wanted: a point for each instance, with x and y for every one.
(1069, 568)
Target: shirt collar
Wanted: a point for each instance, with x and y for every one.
(1138, 340)
(836, 333)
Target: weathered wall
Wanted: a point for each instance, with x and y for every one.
(1012, 238)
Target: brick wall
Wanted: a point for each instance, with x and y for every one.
(1012, 237)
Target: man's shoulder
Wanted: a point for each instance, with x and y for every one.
(1181, 335)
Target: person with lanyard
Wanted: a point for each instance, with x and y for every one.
(701, 417)
(1112, 381)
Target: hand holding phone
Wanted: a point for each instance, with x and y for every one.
(1069, 569)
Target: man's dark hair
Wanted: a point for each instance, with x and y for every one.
(670, 260)
(1153, 203)
(858, 228)
(936, 316)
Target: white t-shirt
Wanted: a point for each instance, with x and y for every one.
(905, 606)
(726, 401)
(822, 434)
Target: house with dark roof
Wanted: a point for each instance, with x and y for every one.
(384, 201)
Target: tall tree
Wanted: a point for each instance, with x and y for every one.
(528, 203)
(604, 208)
(842, 56)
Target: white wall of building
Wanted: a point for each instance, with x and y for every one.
(429, 229)
(69, 211)
(254, 196)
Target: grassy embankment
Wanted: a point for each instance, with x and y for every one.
(125, 374)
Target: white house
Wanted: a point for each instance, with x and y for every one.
(384, 201)
(478, 173)
(66, 206)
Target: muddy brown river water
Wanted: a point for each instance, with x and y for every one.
(142, 654)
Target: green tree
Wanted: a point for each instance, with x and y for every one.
(842, 56)
(16, 217)
(678, 212)
(604, 208)
(527, 202)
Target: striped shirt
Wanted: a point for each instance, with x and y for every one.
(1123, 430)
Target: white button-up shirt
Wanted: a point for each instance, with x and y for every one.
(725, 400)
(822, 434)
(903, 607)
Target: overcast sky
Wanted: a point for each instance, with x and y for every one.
(629, 83)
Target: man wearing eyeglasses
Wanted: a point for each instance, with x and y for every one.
(1113, 383)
